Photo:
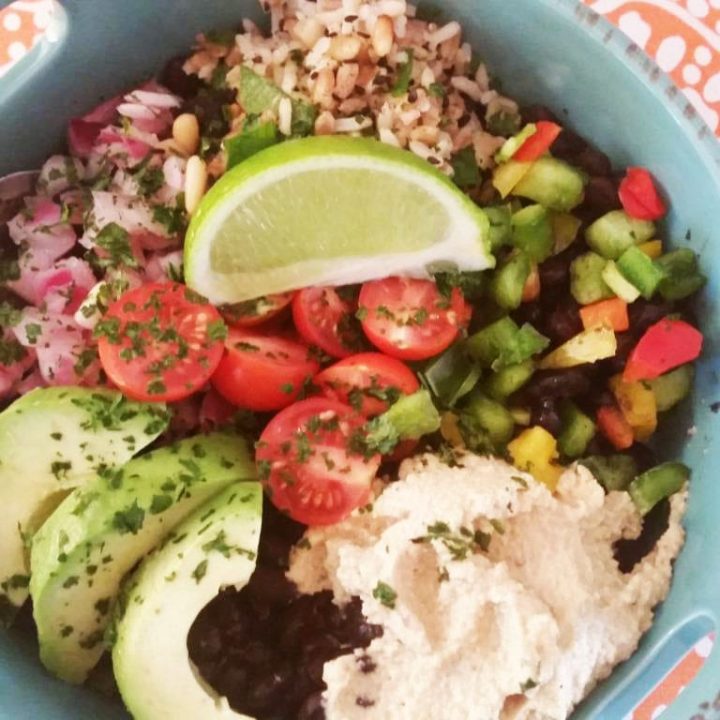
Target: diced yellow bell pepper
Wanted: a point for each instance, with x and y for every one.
(653, 248)
(520, 415)
(534, 451)
(589, 346)
(450, 430)
(565, 229)
(638, 405)
(508, 175)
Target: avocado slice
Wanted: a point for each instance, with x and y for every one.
(52, 440)
(100, 531)
(214, 548)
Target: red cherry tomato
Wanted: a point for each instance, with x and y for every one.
(326, 320)
(538, 143)
(305, 462)
(160, 342)
(639, 196)
(255, 312)
(369, 382)
(263, 372)
(409, 319)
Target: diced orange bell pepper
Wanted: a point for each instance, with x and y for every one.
(531, 290)
(615, 427)
(611, 313)
(652, 248)
(638, 406)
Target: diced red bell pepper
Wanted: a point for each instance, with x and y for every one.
(615, 427)
(538, 143)
(612, 312)
(639, 196)
(664, 346)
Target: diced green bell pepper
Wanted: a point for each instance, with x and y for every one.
(640, 271)
(662, 481)
(503, 343)
(532, 232)
(508, 281)
(500, 225)
(488, 418)
(552, 183)
(577, 430)
(586, 281)
(503, 383)
(681, 274)
(452, 375)
(615, 232)
(613, 472)
(673, 387)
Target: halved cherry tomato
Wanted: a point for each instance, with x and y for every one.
(639, 196)
(160, 342)
(263, 372)
(538, 143)
(369, 382)
(305, 462)
(255, 312)
(409, 318)
(326, 320)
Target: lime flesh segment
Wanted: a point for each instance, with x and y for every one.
(329, 211)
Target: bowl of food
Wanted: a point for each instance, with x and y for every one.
(338, 382)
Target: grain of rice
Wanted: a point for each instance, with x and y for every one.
(285, 116)
(388, 137)
(467, 87)
(349, 125)
(446, 32)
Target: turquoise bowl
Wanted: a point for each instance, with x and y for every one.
(555, 52)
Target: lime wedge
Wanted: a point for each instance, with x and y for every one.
(329, 211)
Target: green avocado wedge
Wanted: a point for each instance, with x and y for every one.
(98, 534)
(212, 549)
(51, 441)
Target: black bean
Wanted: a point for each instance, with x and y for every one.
(593, 161)
(629, 552)
(601, 196)
(175, 79)
(568, 145)
(644, 456)
(546, 415)
(533, 113)
(559, 384)
(644, 313)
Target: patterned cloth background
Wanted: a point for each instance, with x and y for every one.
(684, 38)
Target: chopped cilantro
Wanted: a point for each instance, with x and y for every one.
(385, 594)
(32, 332)
(404, 74)
(160, 503)
(60, 469)
(173, 218)
(200, 571)
(9, 315)
(149, 178)
(466, 172)
(217, 330)
(116, 241)
(436, 89)
(11, 351)
(129, 520)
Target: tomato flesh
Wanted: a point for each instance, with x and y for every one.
(160, 342)
(368, 382)
(326, 320)
(251, 313)
(263, 372)
(305, 463)
(409, 318)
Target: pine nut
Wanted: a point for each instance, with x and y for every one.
(383, 36)
(345, 47)
(186, 133)
(196, 176)
(345, 79)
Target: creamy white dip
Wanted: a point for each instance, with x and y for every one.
(498, 599)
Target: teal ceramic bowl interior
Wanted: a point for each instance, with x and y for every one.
(556, 52)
